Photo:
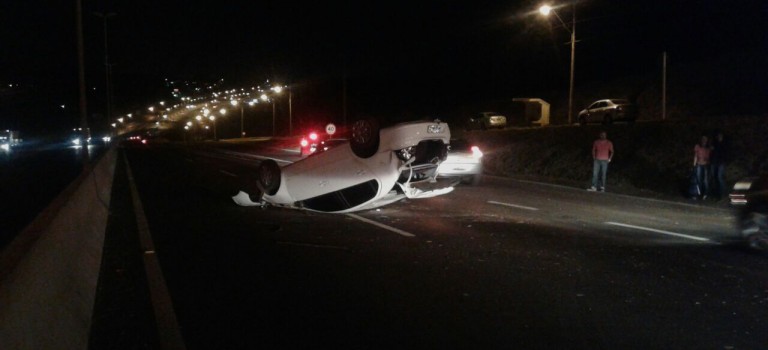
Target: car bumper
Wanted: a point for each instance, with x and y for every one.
(460, 166)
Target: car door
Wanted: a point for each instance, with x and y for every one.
(593, 108)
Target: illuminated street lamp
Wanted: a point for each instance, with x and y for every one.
(278, 89)
(213, 119)
(545, 10)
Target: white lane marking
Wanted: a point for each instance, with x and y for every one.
(165, 318)
(291, 150)
(669, 233)
(376, 223)
(513, 205)
(311, 245)
(227, 173)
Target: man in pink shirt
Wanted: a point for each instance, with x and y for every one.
(602, 152)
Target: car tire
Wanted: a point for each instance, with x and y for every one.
(268, 177)
(365, 137)
(754, 228)
(473, 180)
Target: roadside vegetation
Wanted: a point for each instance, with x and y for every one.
(651, 156)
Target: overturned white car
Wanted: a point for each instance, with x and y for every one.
(376, 167)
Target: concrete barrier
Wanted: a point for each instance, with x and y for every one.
(48, 274)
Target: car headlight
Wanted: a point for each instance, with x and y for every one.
(435, 129)
(743, 185)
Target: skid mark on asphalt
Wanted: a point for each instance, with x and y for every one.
(513, 205)
(378, 224)
(668, 233)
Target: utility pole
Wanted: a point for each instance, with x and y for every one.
(81, 79)
(344, 91)
(664, 87)
(107, 66)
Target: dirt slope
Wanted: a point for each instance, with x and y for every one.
(650, 156)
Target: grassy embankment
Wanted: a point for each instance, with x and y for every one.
(651, 157)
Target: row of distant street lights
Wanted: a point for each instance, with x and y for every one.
(209, 111)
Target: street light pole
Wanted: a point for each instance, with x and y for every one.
(81, 77)
(273, 117)
(290, 113)
(107, 67)
(573, 61)
(545, 10)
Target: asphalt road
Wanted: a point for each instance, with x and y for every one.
(506, 264)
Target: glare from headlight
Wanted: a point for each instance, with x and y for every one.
(742, 185)
(476, 152)
(76, 142)
(5, 147)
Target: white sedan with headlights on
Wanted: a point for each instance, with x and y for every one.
(377, 166)
(464, 162)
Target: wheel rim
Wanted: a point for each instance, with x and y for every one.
(361, 132)
(266, 177)
(756, 231)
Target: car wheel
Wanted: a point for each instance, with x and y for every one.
(608, 119)
(365, 138)
(268, 177)
(473, 180)
(754, 227)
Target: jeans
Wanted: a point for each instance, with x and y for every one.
(718, 174)
(702, 176)
(599, 168)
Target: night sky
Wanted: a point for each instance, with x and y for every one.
(412, 58)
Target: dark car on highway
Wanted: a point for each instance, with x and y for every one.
(607, 111)
(487, 120)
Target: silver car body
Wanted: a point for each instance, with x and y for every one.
(606, 111)
(486, 120)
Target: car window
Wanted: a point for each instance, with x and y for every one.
(594, 105)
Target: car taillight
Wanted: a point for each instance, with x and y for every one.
(304, 143)
(313, 136)
(476, 152)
